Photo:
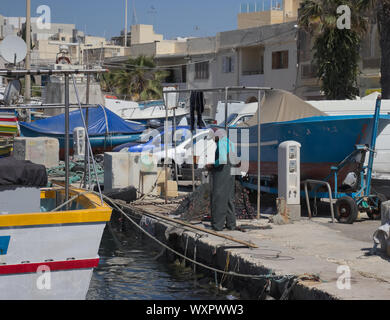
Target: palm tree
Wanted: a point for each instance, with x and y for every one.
(107, 81)
(140, 79)
(336, 51)
(381, 10)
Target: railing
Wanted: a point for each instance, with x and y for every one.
(309, 181)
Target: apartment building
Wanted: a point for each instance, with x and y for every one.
(267, 12)
(263, 56)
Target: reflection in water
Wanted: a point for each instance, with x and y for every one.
(128, 270)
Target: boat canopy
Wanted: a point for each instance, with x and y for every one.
(100, 121)
(280, 106)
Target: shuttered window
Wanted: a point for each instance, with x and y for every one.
(202, 70)
(227, 64)
(280, 60)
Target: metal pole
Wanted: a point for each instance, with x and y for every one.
(166, 151)
(66, 138)
(174, 139)
(193, 160)
(258, 153)
(86, 155)
(27, 86)
(125, 44)
(226, 109)
(373, 143)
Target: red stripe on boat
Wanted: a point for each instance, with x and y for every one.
(53, 265)
(13, 119)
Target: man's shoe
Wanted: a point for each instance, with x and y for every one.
(237, 228)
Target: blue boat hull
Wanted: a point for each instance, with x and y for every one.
(325, 141)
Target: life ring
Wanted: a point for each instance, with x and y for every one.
(63, 58)
(111, 97)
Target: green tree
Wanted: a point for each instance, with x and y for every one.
(107, 81)
(381, 10)
(139, 79)
(336, 51)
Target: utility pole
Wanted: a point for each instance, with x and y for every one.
(27, 90)
(125, 44)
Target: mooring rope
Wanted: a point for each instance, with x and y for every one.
(278, 278)
(231, 273)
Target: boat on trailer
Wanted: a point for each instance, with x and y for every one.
(325, 140)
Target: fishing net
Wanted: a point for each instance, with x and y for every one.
(197, 205)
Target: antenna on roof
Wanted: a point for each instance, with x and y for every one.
(134, 20)
(152, 11)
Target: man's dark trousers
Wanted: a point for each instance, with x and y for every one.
(222, 198)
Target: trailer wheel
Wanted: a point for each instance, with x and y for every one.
(377, 214)
(346, 210)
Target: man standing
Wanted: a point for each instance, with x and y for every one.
(222, 198)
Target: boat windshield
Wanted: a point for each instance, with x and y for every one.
(229, 119)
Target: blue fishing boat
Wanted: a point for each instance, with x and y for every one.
(106, 130)
(325, 140)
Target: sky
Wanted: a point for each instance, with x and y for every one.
(172, 18)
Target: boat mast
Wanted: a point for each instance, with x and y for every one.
(27, 86)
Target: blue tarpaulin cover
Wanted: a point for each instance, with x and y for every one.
(100, 121)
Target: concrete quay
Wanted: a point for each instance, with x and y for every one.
(315, 250)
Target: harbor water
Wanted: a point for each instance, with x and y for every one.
(129, 270)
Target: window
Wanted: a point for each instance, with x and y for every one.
(229, 119)
(280, 60)
(202, 70)
(227, 64)
(243, 119)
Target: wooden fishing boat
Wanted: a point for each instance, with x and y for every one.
(46, 254)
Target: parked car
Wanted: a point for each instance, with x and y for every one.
(178, 154)
(209, 121)
(144, 138)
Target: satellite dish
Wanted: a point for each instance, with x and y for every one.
(13, 49)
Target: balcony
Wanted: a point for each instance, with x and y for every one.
(252, 80)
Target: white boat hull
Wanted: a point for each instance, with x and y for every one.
(51, 255)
